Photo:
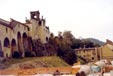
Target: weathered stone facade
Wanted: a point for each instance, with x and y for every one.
(93, 54)
(38, 28)
(106, 51)
(14, 34)
(90, 54)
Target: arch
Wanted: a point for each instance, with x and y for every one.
(13, 42)
(47, 39)
(13, 46)
(6, 42)
(25, 42)
(19, 42)
(24, 35)
(7, 50)
(18, 35)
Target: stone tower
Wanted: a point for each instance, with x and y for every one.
(35, 15)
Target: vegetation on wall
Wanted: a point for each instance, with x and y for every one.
(63, 45)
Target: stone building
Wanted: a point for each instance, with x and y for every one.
(106, 51)
(38, 28)
(14, 34)
(90, 54)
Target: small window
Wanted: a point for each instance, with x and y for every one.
(28, 29)
(39, 22)
(6, 30)
(92, 58)
(35, 16)
(46, 38)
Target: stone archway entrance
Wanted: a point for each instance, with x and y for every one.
(7, 50)
(13, 46)
(25, 42)
(19, 42)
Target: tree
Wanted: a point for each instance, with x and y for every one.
(70, 57)
(76, 44)
(68, 36)
(51, 39)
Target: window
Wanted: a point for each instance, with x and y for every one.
(28, 29)
(35, 16)
(6, 30)
(39, 22)
(46, 38)
(92, 58)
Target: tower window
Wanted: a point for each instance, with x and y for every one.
(28, 29)
(40, 22)
(92, 58)
(35, 16)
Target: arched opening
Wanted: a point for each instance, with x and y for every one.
(25, 42)
(93, 58)
(47, 39)
(6, 42)
(1, 52)
(19, 42)
(13, 46)
(7, 51)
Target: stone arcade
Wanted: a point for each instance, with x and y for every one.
(14, 34)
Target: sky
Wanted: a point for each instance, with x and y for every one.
(84, 18)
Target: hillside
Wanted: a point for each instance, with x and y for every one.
(95, 41)
(35, 62)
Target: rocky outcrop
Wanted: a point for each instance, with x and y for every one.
(39, 49)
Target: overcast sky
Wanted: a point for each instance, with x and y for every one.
(85, 18)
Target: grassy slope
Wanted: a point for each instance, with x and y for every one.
(51, 61)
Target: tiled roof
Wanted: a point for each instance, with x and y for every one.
(108, 42)
(13, 23)
(5, 23)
